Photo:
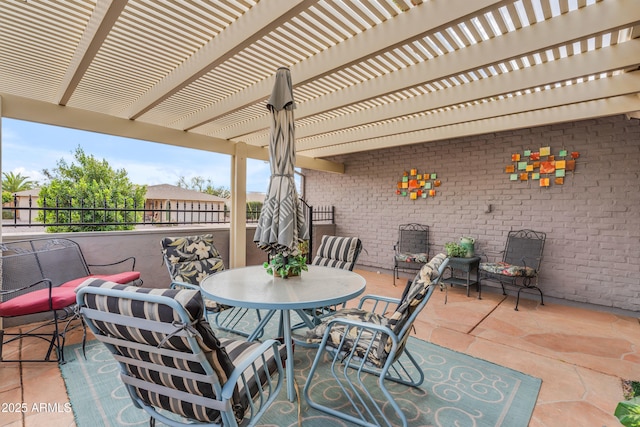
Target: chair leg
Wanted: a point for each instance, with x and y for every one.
(350, 376)
(53, 338)
(228, 320)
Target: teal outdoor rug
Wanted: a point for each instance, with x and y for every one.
(458, 390)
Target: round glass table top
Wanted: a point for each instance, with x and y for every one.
(252, 287)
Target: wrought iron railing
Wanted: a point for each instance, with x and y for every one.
(16, 214)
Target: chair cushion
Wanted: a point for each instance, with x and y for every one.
(337, 252)
(506, 269)
(214, 351)
(190, 259)
(194, 272)
(189, 248)
(420, 258)
(38, 302)
(414, 292)
(239, 350)
(376, 356)
(122, 278)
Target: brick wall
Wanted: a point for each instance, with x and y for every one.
(592, 252)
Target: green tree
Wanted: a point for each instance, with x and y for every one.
(220, 191)
(13, 183)
(203, 185)
(253, 210)
(89, 184)
(6, 197)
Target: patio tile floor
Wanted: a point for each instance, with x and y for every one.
(581, 355)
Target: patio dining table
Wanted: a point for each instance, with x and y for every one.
(251, 287)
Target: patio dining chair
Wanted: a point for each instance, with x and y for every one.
(361, 341)
(190, 259)
(334, 252)
(520, 263)
(411, 249)
(172, 364)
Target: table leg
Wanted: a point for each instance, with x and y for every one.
(286, 320)
(468, 281)
(261, 326)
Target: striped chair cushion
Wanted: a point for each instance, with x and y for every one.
(337, 252)
(215, 352)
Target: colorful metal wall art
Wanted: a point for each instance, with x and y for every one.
(542, 166)
(418, 185)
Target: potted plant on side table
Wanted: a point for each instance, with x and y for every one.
(454, 250)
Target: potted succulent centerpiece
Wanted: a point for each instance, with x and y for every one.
(288, 264)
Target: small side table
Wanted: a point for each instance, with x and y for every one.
(465, 265)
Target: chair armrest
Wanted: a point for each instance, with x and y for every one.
(361, 327)
(11, 291)
(380, 303)
(175, 285)
(131, 258)
(250, 362)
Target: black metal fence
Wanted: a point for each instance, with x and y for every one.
(24, 212)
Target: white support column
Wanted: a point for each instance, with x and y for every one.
(238, 231)
(1, 148)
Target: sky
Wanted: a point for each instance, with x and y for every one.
(28, 148)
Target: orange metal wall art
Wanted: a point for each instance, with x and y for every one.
(542, 166)
(417, 185)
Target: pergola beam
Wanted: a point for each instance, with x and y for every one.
(103, 18)
(261, 19)
(410, 25)
(592, 63)
(544, 35)
(20, 108)
(536, 109)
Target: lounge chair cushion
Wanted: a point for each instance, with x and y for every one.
(337, 252)
(38, 302)
(506, 269)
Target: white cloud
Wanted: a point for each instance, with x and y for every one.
(29, 148)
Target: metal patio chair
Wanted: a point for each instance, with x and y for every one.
(172, 364)
(363, 341)
(190, 259)
(39, 277)
(520, 263)
(411, 249)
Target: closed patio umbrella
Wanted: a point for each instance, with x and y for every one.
(282, 224)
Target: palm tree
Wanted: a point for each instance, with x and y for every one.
(16, 182)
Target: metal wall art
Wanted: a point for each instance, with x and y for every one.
(542, 166)
(418, 185)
